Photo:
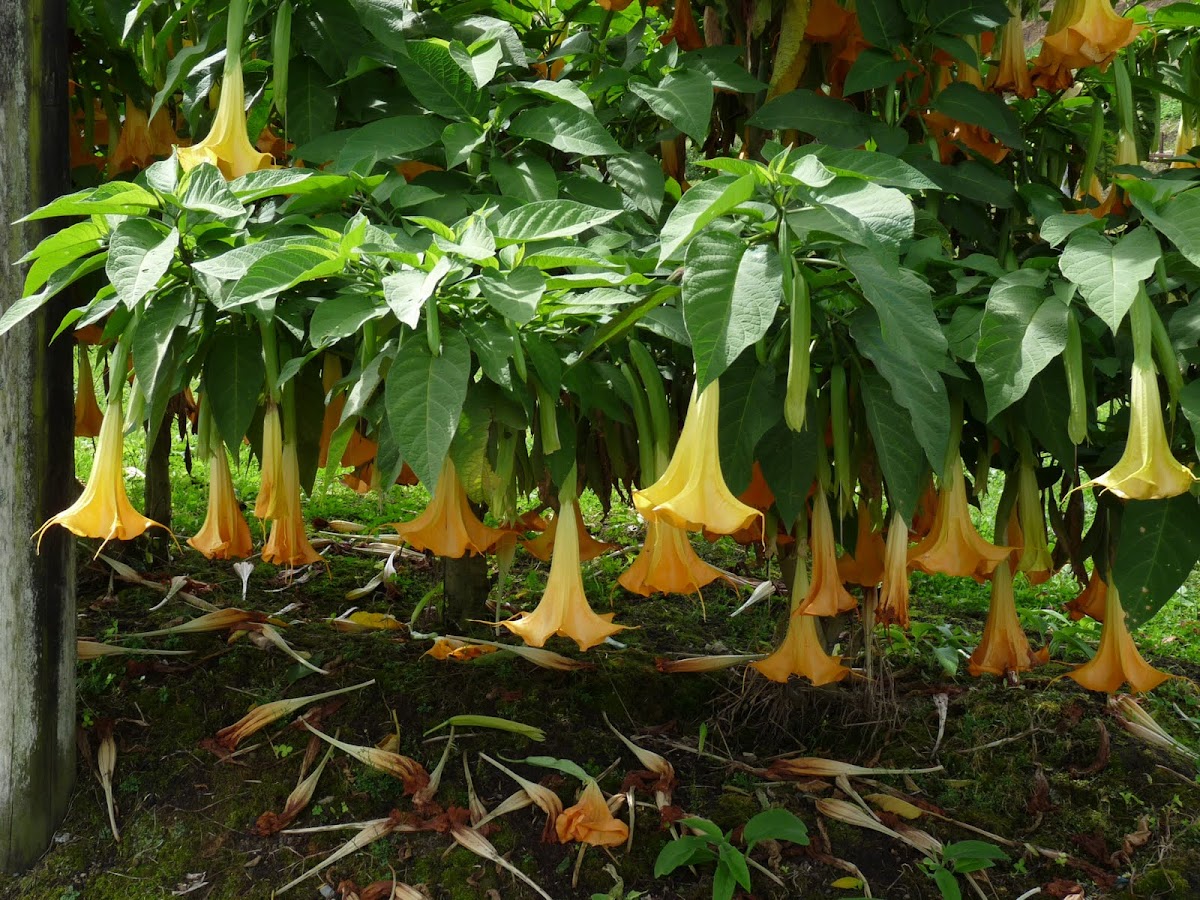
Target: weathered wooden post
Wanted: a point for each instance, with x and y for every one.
(37, 593)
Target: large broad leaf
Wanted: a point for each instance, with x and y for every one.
(1178, 219)
(1109, 274)
(360, 148)
(871, 215)
(566, 128)
(904, 305)
(311, 105)
(915, 386)
(971, 180)
(830, 121)
(1189, 402)
(882, 168)
(966, 16)
(60, 249)
(964, 102)
(516, 294)
(751, 402)
(1045, 410)
(1024, 327)
(731, 293)
(341, 316)
(113, 198)
(155, 349)
(641, 180)
(789, 463)
(439, 83)
(208, 192)
(548, 219)
(233, 380)
(705, 202)
(684, 98)
(270, 275)
(424, 396)
(62, 278)
(525, 177)
(139, 254)
(874, 69)
(883, 22)
(1159, 546)
(900, 455)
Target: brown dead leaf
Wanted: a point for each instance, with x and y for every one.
(1131, 843)
(1039, 801)
(1093, 845)
(1064, 889)
(1102, 753)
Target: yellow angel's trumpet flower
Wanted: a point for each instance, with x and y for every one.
(227, 144)
(288, 543)
(825, 596)
(893, 596)
(590, 822)
(564, 608)
(88, 416)
(1081, 33)
(1034, 558)
(865, 566)
(225, 534)
(589, 548)
(953, 546)
(1147, 470)
(1012, 74)
(271, 463)
(103, 510)
(668, 564)
(802, 651)
(1188, 138)
(1117, 661)
(1091, 600)
(692, 493)
(448, 526)
(1004, 647)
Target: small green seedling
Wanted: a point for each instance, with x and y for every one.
(960, 859)
(711, 845)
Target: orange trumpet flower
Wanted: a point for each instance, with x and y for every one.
(1117, 661)
(953, 546)
(802, 652)
(683, 30)
(542, 546)
(692, 493)
(448, 526)
(1081, 33)
(1004, 647)
(1012, 74)
(225, 534)
(331, 374)
(893, 596)
(825, 596)
(103, 510)
(1091, 600)
(270, 464)
(288, 543)
(227, 144)
(590, 822)
(668, 564)
(865, 566)
(564, 608)
(88, 416)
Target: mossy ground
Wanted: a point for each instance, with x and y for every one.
(186, 816)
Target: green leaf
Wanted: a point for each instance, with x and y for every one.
(966, 16)
(567, 129)
(880, 168)
(971, 180)
(963, 102)
(776, 824)
(904, 306)
(155, 347)
(641, 179)
(233, 379)
(684, 98)
(516, 294)
(112, 198)
(883, 22)
(1189, 402)
(724, 884)
(460, 140)
(274, 182)
(972, 850)
(566, 91)
(704, 203)
(566, 766)
(525, 177)
(59, 280)
(830, 121)
(915, 386)
(424, 396)
(731, 858)
(683, 851)
(1024, 328)
(871, 215)
(480, 64)
(1179, 220)
(270, 275)
(548, 219)
(789, 464)
(59, 249)
(896, 445)
(438, 83)
(208, 192)
(1159, 546)
(1057, 228)
(386, 139)
(874, 68)
(311, 105)
(947, 884)
(342, 316)
(710, 829)
(1045, 410)
(750, 404)
(139, 254)
(731, 293)
(1108, 274)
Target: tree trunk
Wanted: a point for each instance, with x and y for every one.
(37, 592)
(158, 474)
(465, 582)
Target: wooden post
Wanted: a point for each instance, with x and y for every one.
(158, 474)
(465, 584)
(37, 592)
